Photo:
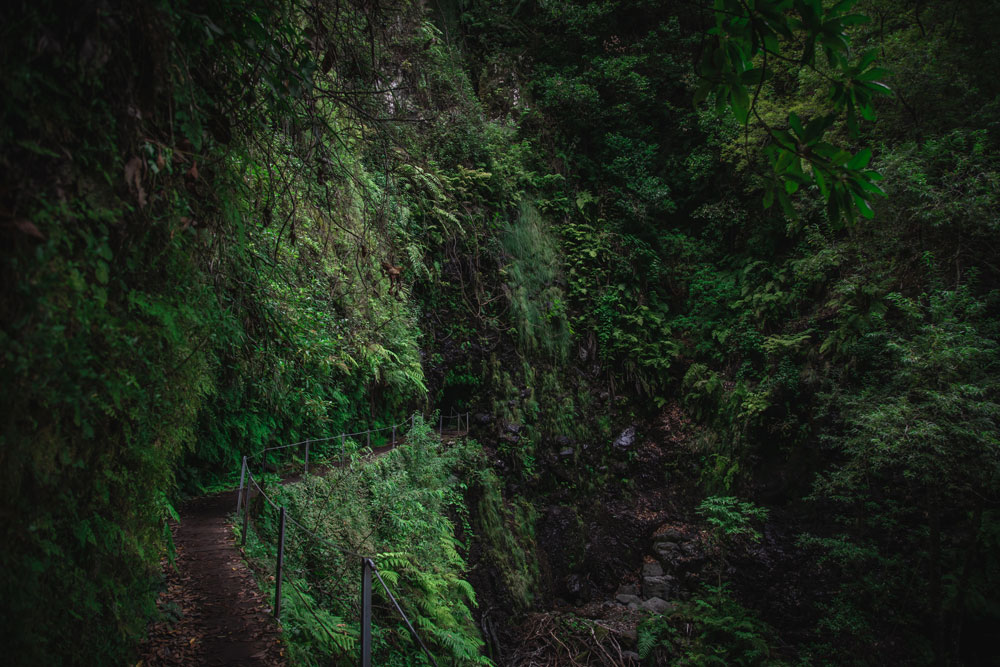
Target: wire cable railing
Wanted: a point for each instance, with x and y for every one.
(450, 425)
(454, 424)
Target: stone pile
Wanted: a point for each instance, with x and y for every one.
(675, 555)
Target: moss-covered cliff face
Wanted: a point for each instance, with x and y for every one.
(229, 224)
(199, 205)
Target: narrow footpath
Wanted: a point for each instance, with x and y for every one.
(215, 614)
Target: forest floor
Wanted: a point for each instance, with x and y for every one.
(213, 611)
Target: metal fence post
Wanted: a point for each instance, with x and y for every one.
(239, 494)
(307, 458)
(246, 516)
(366, 613)
(281, 559)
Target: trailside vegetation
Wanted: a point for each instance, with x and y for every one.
(399, 509)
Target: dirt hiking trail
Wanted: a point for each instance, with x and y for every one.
(216, 615)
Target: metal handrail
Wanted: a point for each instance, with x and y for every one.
(457, 418)
(332, 437)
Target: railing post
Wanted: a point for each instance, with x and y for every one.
(246, 515)
(394, 434)
(413, 420)
(239, 494)
(366, 613)
(341, 446)
(368, 436)
(440, 424)
(281, 560)
(307, 458)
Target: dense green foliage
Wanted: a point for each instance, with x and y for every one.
(859, 358)
(712, 628)
(232, 224)
(395, 510)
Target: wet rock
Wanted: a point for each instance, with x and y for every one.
(630, 656)
(626, 439)
(670, 535)
(484, 417)
(627, 599)
(513, 428)
(567, 452)
(657, 587)
(563, 441)
(628, 589)
(666, 552)
(652, 569)
(658, 606)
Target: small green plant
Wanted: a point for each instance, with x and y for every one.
(711, 629)
(730, 520)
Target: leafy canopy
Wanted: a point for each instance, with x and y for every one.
(749, 37)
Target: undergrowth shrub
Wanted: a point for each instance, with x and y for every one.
(710, 629)
(401, 509)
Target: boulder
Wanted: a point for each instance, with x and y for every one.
(670, 535)
(626, 439)
(666, 552)
(657, 587)
(658, 606)
(627, 599)
(652, 569)
(628, 589)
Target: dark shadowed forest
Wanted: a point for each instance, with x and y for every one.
(622, 332)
